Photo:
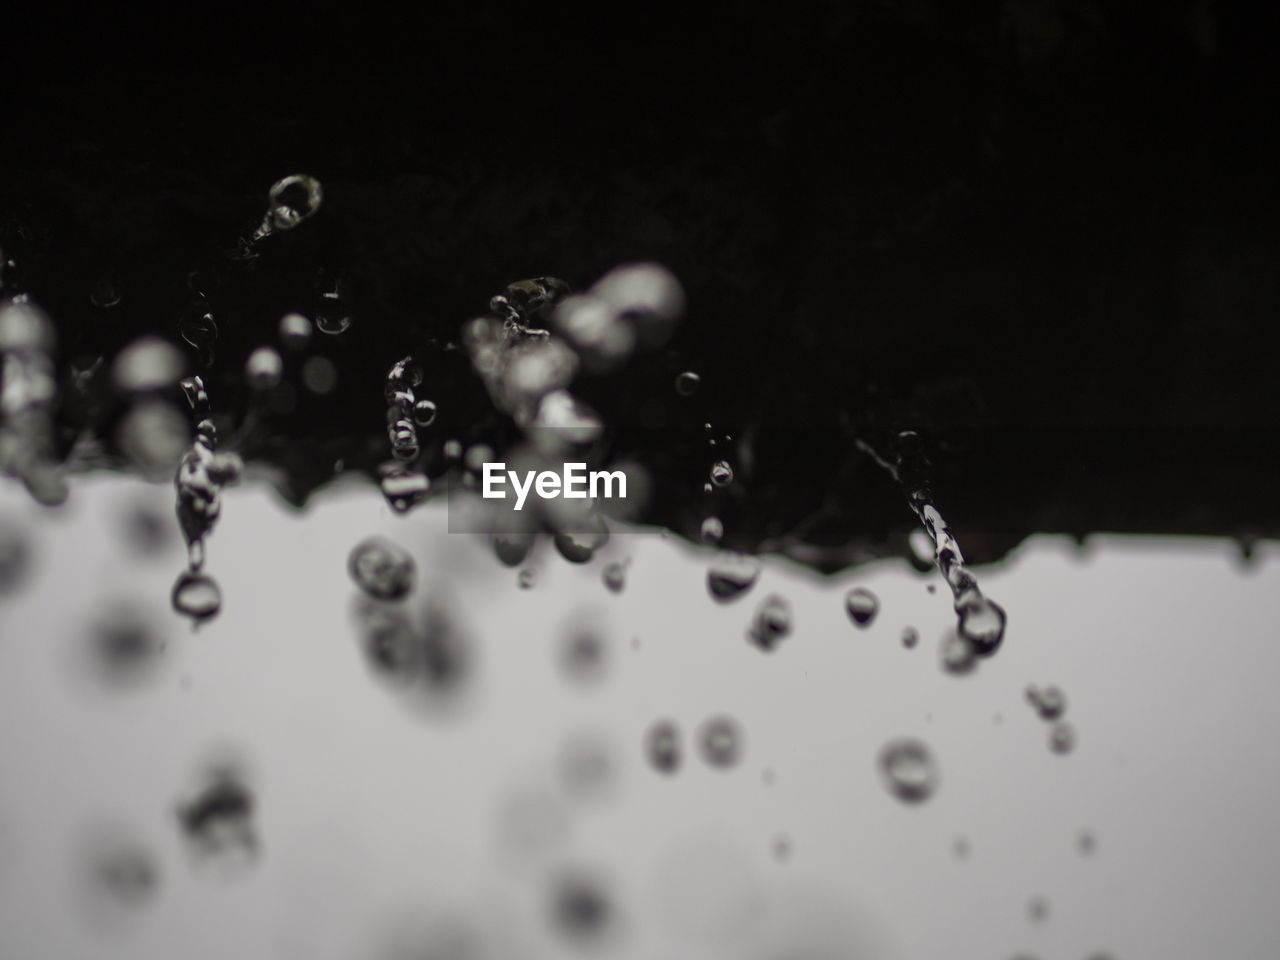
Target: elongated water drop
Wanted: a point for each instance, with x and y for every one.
(1049, 702)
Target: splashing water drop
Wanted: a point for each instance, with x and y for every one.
(720, 741)
(721, 473)
(218, 821)
(292, 200)
(381, 569)
(687, 383)
(662, 746)
(197, 596)
(909, 770)
(772, 622)
(731, 575)
(615, 576)
(862, 606)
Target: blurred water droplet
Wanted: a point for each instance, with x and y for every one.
(910, 637)
(721, 473)
(961, 848)
(424, 413)
(957, 654)
(579, 546)
(124, 643)
(732, 574)
(333, 321)
(586, 767)
(197, 596)
(125, 873)
(772, 622)
(712, 531)
(527, 578)
(581, 909)
(15, 557)
(1038, 910)
(295, 331)
(403, 491)
(662, 746)
(292, 200)
(862, 606)
(154, 435)
(687, 383)
(1086, 842)
(263, 369)
(1062, 737)
(615, 576)
(218, 821)
(1049, 702)
(781, 849)
(149, 363)
(720, 740)
(909, 770)
(319, 375)
(381, 569)
(585, 655)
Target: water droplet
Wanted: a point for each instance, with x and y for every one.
(154, 435)
(615, 576)
(527, 578)
(772, 622)
(581, 909)
(585, 656)
(424, 413)
(687, 383)
(1086, 842)
(218, 821)
(910, 637)
(15, 557)
(1049, 702)
(381, 569)
(909, 770)
(662, 746)
(720, 741)
(731, 575)
(1038, 910)
(124, 873)
(957, 654)
(862, 605)
(295, 331)
(292, 200)
(721, 473)
(148, 363)
(196, 596)
(403, 491)
(124, 644)
(105, 293)
(319, 375)
(1062, 737)
(586, 767)
(782, 849)
(712, 531)
(333, 321)
(263, 369)
(961, 848)
(579, 546)
(982, 622)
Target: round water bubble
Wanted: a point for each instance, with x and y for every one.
(772, 622)
(721, 473)
(1062, 737)
(196, 596)
(862, 606)
(424, 413)
(154, 435)
(292, 200)
(720, 741)
(148, 363)
(615, 576)
(687, 383)
(662, 746)
(731, 575)
(381, 569)
(909, 770)
(263, 369)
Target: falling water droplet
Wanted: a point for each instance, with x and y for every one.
(319, 375)
(687, 383)
(731, 575)
(148, 363)
(909, 770)
(333, 321)
(581, 909)
(1062, 737)
(982, 622)
(292, 200)
(295, 331)
(720, 741)
(662, 746)
(721, 473)
(196, 596)
(381, 569)
(712, 531)
(218, 822)
(105, 293)
(772, 622)
(862, 605)
(615, 576)
(1049, 702)
(1086, 842)
(957, 654)
(910, 637)
(263, 369)
(526, 578)
(1038, 910)
(424, 413)
(403, 491)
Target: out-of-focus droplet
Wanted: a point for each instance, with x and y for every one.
(862, 606)
(196, 596)
(319, 375)
(124, 874)
(218, 821)
(581, 910)
(1062, 737)
(1049, 702)
(333, 320)
(961, 848)
(404, 490)
(292, 200)
(124, 643)
(615, 576)
(105, 293)
(1086, 842)
(424, 413)
(910, 637)
(662, 746)
(957, 654)
(687, 383)
(263, 369)
(154, 435)
(721, 473)
(909, 770)
(720, 741)
(526, 578)
(648, 295)
(781, 849)
(149, 363)
(732, 574)
(295, 331)
(712, 531)
(15, 557)
(579, 546)
(381, 569)
(772, 622)
(1038, 910)
(585, 655)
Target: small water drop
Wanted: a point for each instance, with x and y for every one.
(782, 849)
(292, 200)
(196, 596)
(15, 557)
(982, 622)
(731, 575)
(403, 491)
(662, 746)
(148, 363)
(105, 293)
(862, 606)
(333, 320)
(218, 821)
(1062, 737)
(424, 413)
(772, 622)
(295, 331)
(381, 569)
(1049, 702)
(909, 770)
(721, 473)
(1086, 842)
(615, 576)
(720, 741)
(687, 383)
(526, 578)
(910, 637)
(712, 531)
(320, 375)
(957, 654)
(581, 909)
(263, 369)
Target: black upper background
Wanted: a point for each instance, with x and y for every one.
(1044, 233)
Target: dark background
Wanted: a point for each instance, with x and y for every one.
(1042, 233)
